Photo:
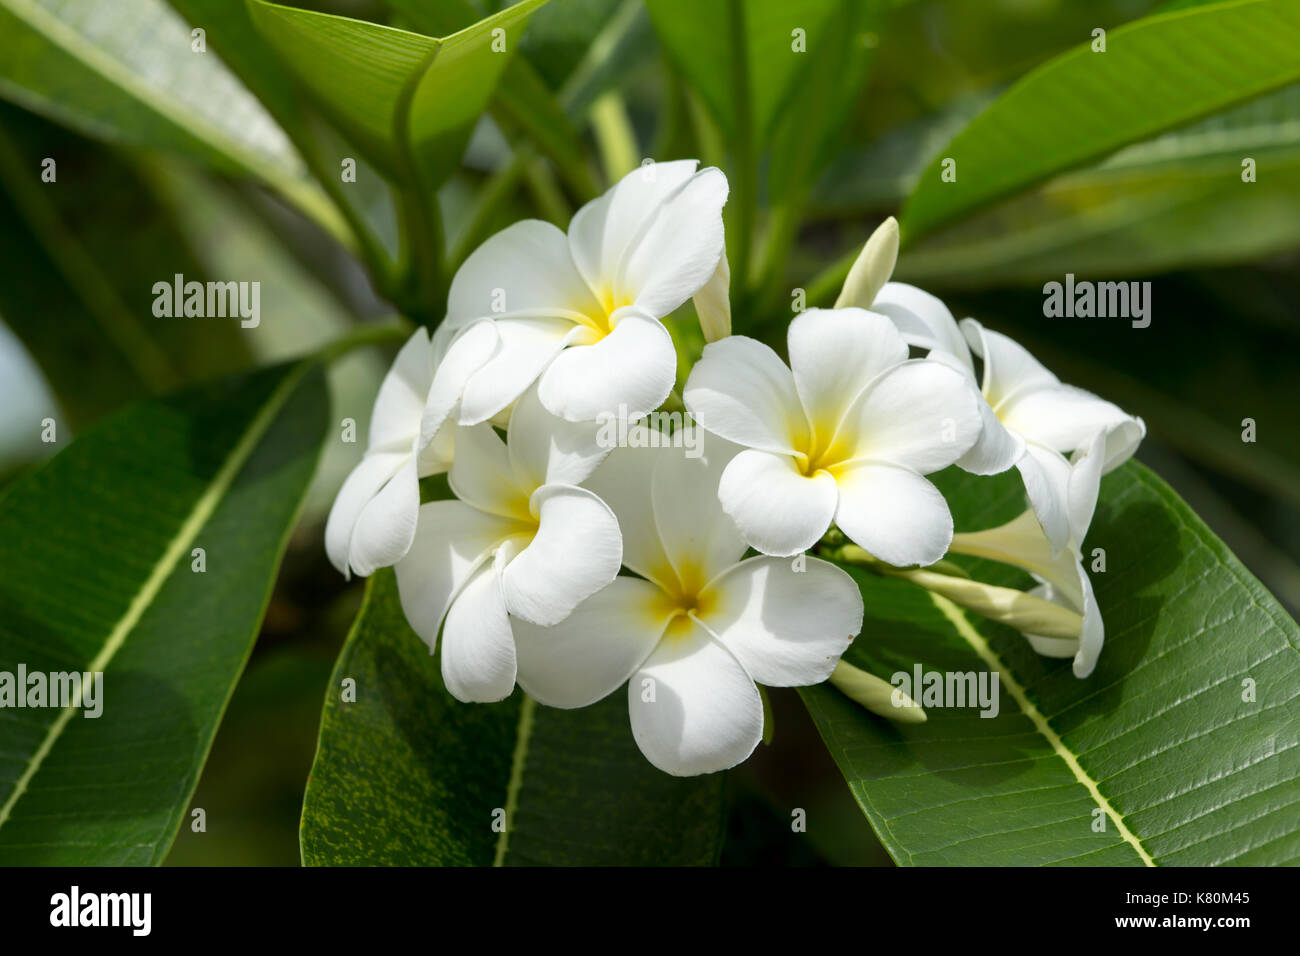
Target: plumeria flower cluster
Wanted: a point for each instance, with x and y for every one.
(678, 567)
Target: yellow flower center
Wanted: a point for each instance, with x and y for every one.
(682, 597)
(823, 450)
(601, 323)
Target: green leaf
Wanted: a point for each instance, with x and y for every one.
(298, 313)
(1156, 74)
(362, 203)
(561, 35)
(739, 54)
(1120, 221)
(98, 573)
(1162, 742)
(522, 94)
(77, 295)
(409, 101)
(407, 775)
(126, 72)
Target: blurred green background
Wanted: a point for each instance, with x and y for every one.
(79, 339)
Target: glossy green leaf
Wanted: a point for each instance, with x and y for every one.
(1180, 748)
(1125, 221)
(84, 305)
(127, 72)
(522, 94)
(1156, 74)
(805, 136)
(360, 204)
(740, 55)
(99, 573)
(562, 34)
(409, 101)
(407, 775)
(298, 313)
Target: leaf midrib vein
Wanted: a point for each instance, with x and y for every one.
(986, 654)
(523, 736)
(66, 38)
(203, 509)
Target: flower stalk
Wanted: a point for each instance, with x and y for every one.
(1009, 606)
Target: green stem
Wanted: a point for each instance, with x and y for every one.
(499, 188)
(546, 193)
(363, 239)
(744, 181)
(609, 48)
(615, 137)
(390, 331)
(1010, 606)
(575, 99)
(781, 231)
(423, 287)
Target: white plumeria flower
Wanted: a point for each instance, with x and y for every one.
(523, 540)
(693, 634)
(580, 312)
(372, 522)
(1061, 574)
(926, 323)
(844, 434)
(1031, 419)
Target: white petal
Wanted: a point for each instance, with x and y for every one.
(395, 419)
(787, 626)
(741, 390)
(1022, 542)
(465, 355)
(478, 648)
(834, 353)
(624, 481)
(544, 448)
(1094, 629)
(527, 347)
(603, 230)
(679, 249)
(921, 415)
(524, 268)
(704, 713)
(997, 448)
(699, 539)
(1087, 648)
(363, 483)
(1084, 487)
(1065, 418)
(893, 513)
(594, 650)
(577, 551)
(481, 474)
(1046, 474)
(713, 302)
(451, 541)
(923, 320)
(1008, 366)
(437, 456)
(778, 509)
(386, 526)
(632, 368)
